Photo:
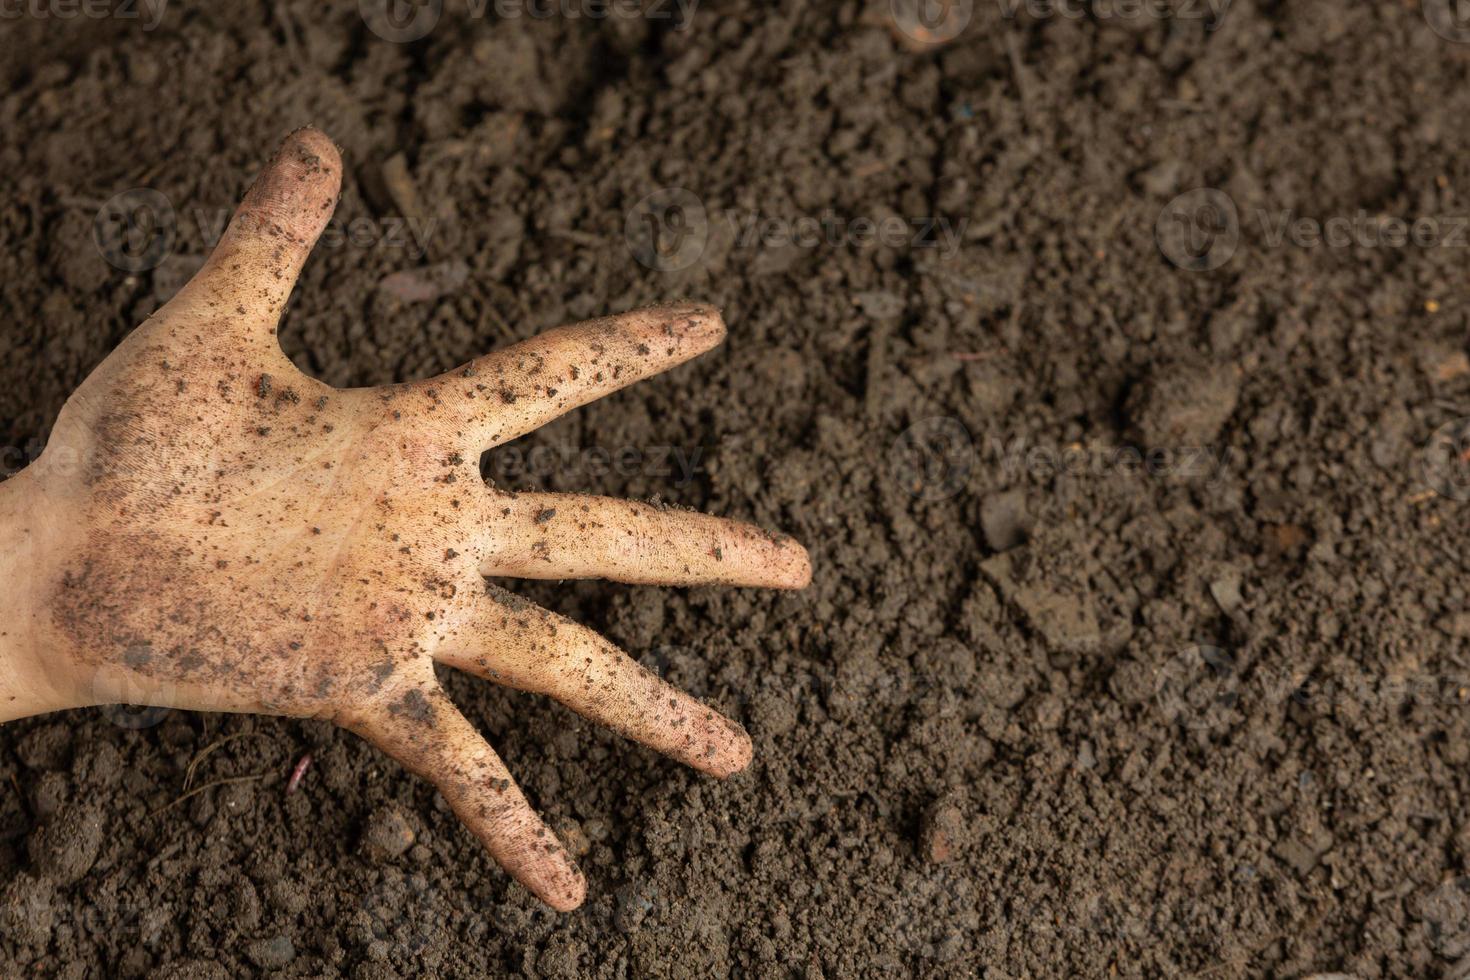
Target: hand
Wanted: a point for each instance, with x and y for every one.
(210, 529)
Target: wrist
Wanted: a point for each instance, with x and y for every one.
(31, 683)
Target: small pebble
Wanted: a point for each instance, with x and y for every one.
(271, 954)
(1226, 590)
(387, 835)
(941, 832)
(1004, 520)
(1178, 406)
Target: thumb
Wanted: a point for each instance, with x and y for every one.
(253, 269)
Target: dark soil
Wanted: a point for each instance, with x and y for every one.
(1050, 707)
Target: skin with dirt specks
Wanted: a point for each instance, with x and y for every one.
(210, 529)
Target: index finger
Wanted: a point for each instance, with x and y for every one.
(506, 394)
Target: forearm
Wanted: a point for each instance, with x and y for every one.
(29, 683)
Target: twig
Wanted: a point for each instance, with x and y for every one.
(1023, 81)
(218, 782)
(204, 753)
(877, 360)
(288, 31)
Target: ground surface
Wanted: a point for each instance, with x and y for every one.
(1047, 710)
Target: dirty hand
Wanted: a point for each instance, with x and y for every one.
(210, 529)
